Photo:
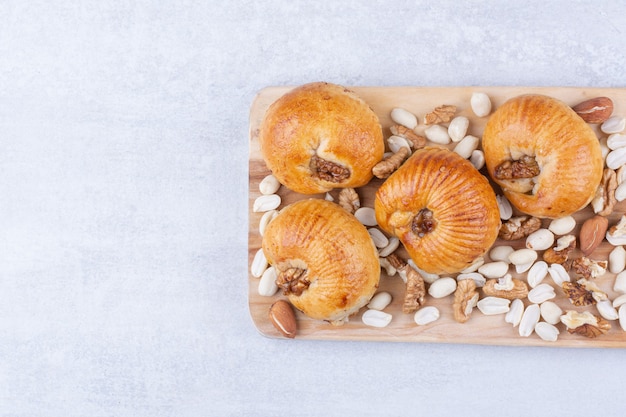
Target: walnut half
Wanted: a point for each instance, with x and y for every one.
(585, 324)
(519, 227)
(465, 299)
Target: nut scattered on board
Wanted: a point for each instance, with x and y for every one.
(387, 166)
(592, 233)
(595, 110)
(519, 227)
(415, 141)
(604, 200)
(585, 323)
(441, 114)
(498, 288)
(283, 318)
(465, 299)
(349, 200)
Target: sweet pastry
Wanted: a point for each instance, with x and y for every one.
(441, 208)
(321, 136)
(326, 262)
(545, 158)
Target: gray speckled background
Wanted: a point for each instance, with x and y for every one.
(123, 204)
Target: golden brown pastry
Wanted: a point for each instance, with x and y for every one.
(326, 261)
(441, 208)
(544, 156)
(321, 136)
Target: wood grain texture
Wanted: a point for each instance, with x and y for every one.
(480, 329)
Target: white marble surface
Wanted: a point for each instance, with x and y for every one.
(123, 204)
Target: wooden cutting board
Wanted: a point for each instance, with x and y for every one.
(480, 329)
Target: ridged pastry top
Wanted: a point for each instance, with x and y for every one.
(441, 208)
(321, 136)
(564, 148)
(326, 261)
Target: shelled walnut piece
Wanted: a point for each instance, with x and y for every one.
(585, 324)
(416, 141)
(604, 201)
(519, 227)
(387, 166)
(578, 294)
(589, 268)
(441, 114)
(349, 200)
(559, 254)
(415, 289)
(465, 299)
(506, 287)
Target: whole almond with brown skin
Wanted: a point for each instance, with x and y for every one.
(595, 110)
(592, 233)
(283, 318)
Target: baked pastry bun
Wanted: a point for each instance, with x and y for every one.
(326, 261)
(441, 208)
(321, 136)
(546, 159)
